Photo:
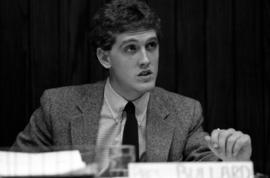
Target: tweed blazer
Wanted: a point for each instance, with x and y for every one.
(69, 118)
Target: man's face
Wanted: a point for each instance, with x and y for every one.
(134, 63)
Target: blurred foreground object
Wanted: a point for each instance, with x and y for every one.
(48, 163)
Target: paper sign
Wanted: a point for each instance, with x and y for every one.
(192, 170)
(153, 170)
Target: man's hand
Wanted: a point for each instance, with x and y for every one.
(230, 145)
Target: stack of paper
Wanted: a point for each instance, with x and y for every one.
(33, 164)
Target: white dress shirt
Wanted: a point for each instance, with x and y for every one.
(112, 122)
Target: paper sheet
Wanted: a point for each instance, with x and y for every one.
(48, 163)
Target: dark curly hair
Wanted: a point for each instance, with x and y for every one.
(120, 16)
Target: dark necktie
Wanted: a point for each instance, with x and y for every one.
(130, 135)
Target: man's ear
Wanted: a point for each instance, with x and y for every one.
(104, 58)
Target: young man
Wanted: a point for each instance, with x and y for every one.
(167, 126)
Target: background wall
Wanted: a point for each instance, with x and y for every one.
(217, 51)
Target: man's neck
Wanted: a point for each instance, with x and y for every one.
(128, 95)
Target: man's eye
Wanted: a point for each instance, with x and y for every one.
(152, 46)
(131, 48)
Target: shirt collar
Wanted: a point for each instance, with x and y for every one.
(117, 103)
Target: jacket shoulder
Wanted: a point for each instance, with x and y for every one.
(68, 97)
(65, 93)
(175, 99)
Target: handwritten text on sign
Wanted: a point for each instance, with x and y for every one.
(192, 170)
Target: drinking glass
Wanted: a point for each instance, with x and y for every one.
(119, 157)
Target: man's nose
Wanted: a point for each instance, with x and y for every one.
(144, 60)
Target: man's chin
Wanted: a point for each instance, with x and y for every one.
(146, 87)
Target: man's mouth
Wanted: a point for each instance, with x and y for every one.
(145, 73)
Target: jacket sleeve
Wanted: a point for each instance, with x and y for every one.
(196, 148)
(37, 135)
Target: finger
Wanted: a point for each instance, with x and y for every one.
(242, 141)
(209, 141)
(210, 144)
(214, 138)
(222, 140)
(231, 143)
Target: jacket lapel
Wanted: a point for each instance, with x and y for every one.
(84, 127)
(158, 132)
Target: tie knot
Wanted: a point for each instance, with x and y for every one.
(130, 108)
